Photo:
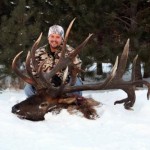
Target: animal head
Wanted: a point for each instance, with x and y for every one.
(35, 107)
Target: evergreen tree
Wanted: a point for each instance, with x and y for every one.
(18, 32)
(112, 22)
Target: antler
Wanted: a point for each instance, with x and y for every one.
(43, 80)
(30, 79)
(19, 73)
(64, 61)
(113, 81)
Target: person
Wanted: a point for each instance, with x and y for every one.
(51, 53)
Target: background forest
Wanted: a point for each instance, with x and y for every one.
(111, 21)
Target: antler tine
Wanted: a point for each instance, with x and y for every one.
(17, 71)
(66, 38)
(65, 75)
(133, 68)
(123, 61)
(78, 49)
(62, 86)
(113, 72)
(28, 68)
(34, 48)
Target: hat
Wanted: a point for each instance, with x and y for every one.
(56, 29)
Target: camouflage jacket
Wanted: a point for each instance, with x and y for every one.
(44, 53)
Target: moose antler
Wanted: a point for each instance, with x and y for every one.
(53, 96)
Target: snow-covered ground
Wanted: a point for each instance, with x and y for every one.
(115, 129)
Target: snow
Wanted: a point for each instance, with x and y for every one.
(116, 128)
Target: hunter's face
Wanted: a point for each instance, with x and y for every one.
(54, 40)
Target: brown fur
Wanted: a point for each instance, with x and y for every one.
(35, 107)
(86, 108)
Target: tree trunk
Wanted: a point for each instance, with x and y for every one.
(138, 73)
(99, 68)
(146, 70)
(134, 40)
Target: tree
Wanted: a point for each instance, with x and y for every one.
(18, 32)
(112, 22)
